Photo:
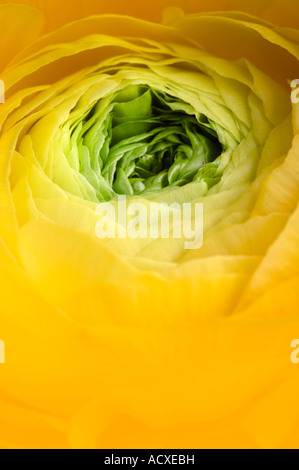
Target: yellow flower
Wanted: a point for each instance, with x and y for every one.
(126, 343)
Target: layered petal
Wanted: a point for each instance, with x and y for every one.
(124, 342)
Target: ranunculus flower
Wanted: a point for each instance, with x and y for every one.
(121, 343)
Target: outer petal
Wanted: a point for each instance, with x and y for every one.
(282, 12)
(20, 25)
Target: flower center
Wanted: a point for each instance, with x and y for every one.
(142, 140)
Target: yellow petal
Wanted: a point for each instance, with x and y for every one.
(20, 25)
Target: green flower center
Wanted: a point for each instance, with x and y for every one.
(141, 140)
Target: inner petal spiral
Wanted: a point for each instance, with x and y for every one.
(142, 140)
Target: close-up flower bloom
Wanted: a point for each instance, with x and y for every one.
(125, 342)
